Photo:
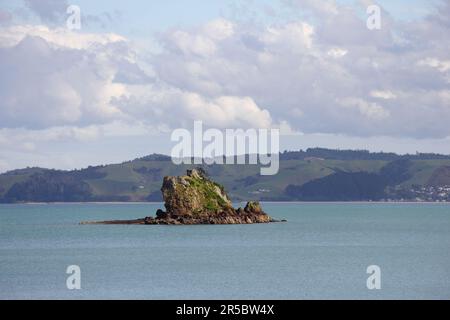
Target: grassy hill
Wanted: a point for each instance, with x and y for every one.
(314, 174)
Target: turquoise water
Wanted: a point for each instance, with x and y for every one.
(322, 252)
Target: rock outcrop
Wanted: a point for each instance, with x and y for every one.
(195, 199)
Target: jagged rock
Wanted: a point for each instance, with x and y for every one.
(253, 206)
(193, 195)
(161, 214)
(195, 199)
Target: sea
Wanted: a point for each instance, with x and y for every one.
(323, 251)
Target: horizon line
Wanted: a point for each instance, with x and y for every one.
(237, 155)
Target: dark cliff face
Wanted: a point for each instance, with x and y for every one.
(195, 199)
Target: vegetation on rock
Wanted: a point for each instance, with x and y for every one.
(195, 199)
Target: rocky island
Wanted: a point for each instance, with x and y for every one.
(196, 199)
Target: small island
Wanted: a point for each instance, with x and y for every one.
(196, 199)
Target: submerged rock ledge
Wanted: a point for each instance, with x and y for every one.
(195, 199)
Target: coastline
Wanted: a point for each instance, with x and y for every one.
(269, 202)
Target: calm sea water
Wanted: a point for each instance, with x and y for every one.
(322, 252)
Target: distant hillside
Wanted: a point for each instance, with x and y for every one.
(312, 175)
(333, 154)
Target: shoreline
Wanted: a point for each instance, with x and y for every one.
(269, 202)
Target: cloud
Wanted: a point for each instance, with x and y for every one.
(156, 104)
(337, 52)
(61, 86)
(370, 110)
(19, 137)
(380, 94)
(60, 37)
(441, 65)
(326, 75)
(56, 78)
(226, 111)
(305, 73)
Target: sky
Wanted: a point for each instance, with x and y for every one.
(136, 70)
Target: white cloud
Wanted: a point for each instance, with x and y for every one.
(155, 105)
(369, 109)
(59, 78)
(219, 29)
(383, 94)
(298, 35)
(441, 65)
(193, 44)
(226, 111)
(299, 72)
(337, 52)
(58, 37)
(286, 130)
